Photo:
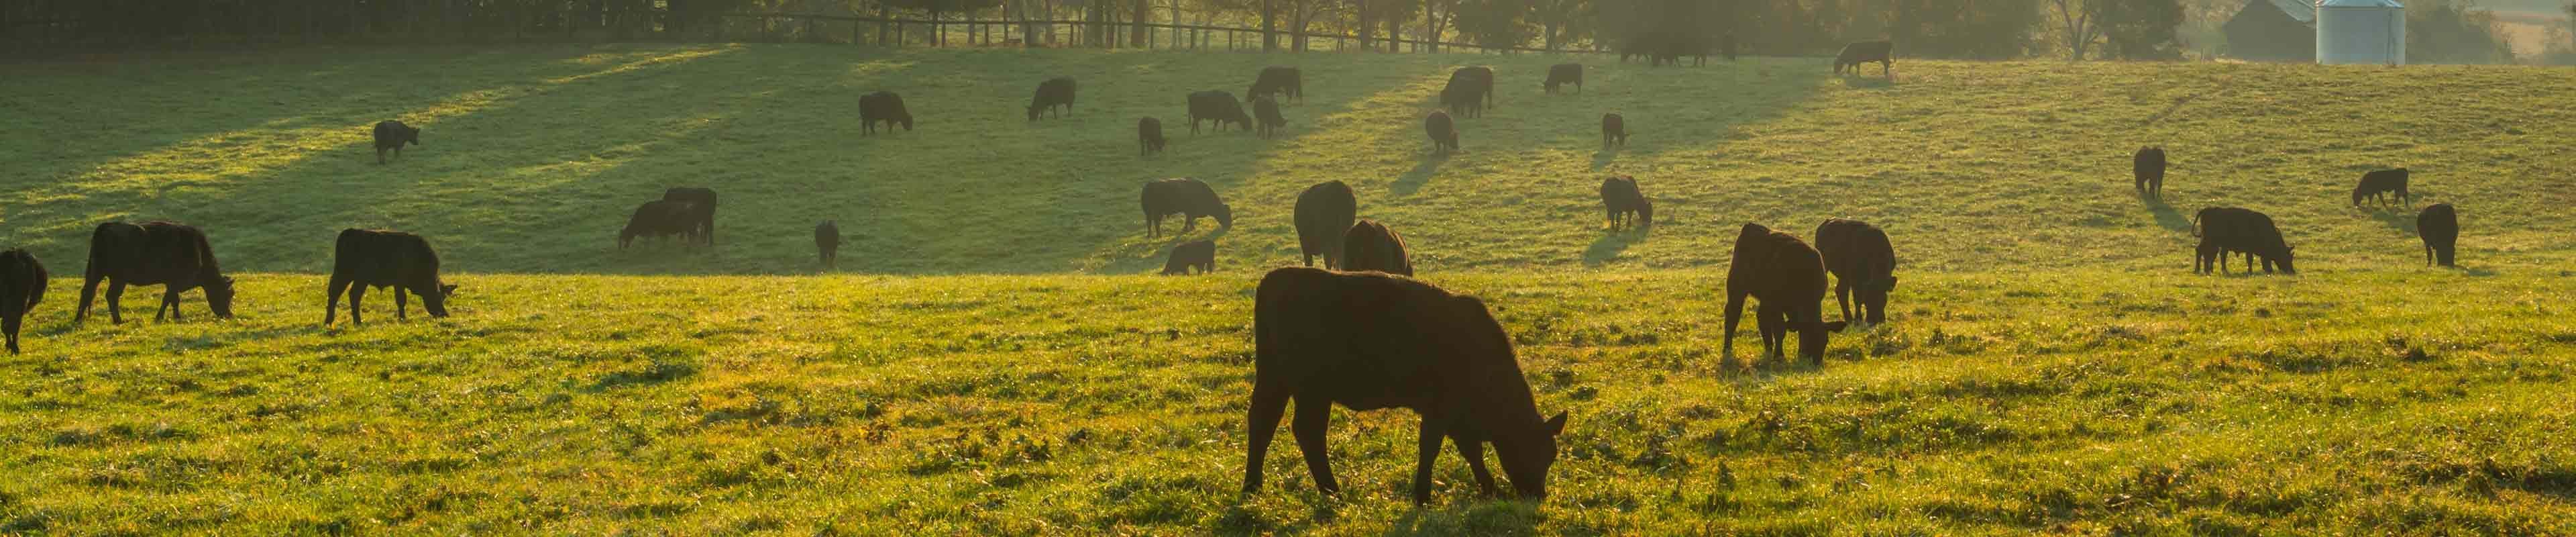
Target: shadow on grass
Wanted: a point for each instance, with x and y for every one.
(2166, 216)
(1413, 181)
(1483, 517)
(1612, 243)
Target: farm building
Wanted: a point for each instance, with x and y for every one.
(2273, 31)
(2361, 32)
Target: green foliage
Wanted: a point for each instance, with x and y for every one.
(2454, 31)
(1979, 29)
(2139, 29)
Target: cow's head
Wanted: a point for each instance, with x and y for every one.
(1224, 215)
(411, 135)
(2288, 252)
(1526, 455)
(1034, 108)
(219, 296)
(1811, 338)
(436, 301)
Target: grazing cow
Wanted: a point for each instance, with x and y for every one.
(2149, 166)
(1373, 246)
(1266, 110)
(1053, 92)
(1186, 197)
(2376, 185)
(1219, 107)
(1628, 207)
(1614, 130)
(1199, 254)
(1324, 213)
(1788, 277)
(827, 243)
(22, 285)
(2225, 230)
(365, 258)
(660, 218)
(1856, 54)
(1466, 94)
(702, 199)
(1372, 341)
(1149, 136)
(173, 255)
(1444, 133)
(882, 106)
(1565, 73)
(1480, 79)
(2439, 225)
(1280, 81)
(392, 135)
(1859, 257)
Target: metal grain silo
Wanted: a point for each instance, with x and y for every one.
(2361, 32)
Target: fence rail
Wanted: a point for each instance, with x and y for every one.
(1078, 33)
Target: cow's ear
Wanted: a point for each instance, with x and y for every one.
(447, 290)
(1556, 425)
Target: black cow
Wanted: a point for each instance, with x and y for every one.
(1856, 54)
(1372, 341)
(660, 218)
(1053, 92)
(1466, 94)
(173, 255)
(702, 199)
(1186, 197)
(1217, 106)
(1565, 73)
(882, 106)
(1149, 136)
(1280, 81)
(2439, 225)
(2376, 185)
(1373, 246)
(365, 258)
(22, 285)
(1444, 133)
(1480, 79)
(1199, 254)
(1614, 130)
(1324, 213)
(827, 243)
(1788, 277)
(2149, 167)
(1266, 110)
(392, 135)
(2225, 230)
(1859, 257)
(1627, 206)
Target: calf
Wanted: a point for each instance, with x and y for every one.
(1267, 111)
(1371, 246)
(1280, 81)
(1859, 257)
(2376, 185)
(1614, 130)
(1200, 254)
(659, 218)
(1052, 93)
(1627, 206)
(1788, 277)
(2439, 225)
(392, 135)
(365, 258)
(2225, 230)
(882, 106)
(2149, 167)
(22, 285)
(1324, 213)
(1444, 133)
(1219, 107)
(703, 220)
(1856, 54)
(1149, 136)
(1186, 197)
(1372, 341)
(827, 243)
(1565, 73)
(175, 256)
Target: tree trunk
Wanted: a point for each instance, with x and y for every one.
(1360, 11)
(1430, 28)
(1269, 32)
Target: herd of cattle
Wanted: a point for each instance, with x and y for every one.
(1360, 333)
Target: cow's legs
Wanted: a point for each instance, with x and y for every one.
(1312, 413)
(331, 308)
(399, 315)
(357, 295)
(1268, 403)
(1427, 444)
(1474, 452)
(10, 324)
(169, 301)
(1842, 296)
(115, 296)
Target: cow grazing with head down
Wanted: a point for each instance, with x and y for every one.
(392, 135)
(1564, 73)
(1186, 197)
(1052, 93)
(1859, 257)
(22, 285)
(1219, 107)
(2439, 225)
(1284, 82)
(1266, 110)
(1788, 278)
(660, 218)
(1149, 136)
(1627, 206)
(2225, 230)
(1371, 246)
(1478, 81)
(175, 256)
(703, 200)
(1444, 133)
(2378, 184)
(2149, 167)
(883, 106)
(1198, 254)
(365, 258)
(1325, 213)
(1856, 54)
(1373, 341)
(827, 243)
(1614, 131)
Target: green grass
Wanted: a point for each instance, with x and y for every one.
(998, 366)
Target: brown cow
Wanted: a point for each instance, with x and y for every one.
(1859, 257)
(1199, 254)
(1324, 213)
(1788, 277)
(169, 254)
(1373, 246)
(1186, 197)
(1614, 131)
(364, 258)
(1628, 206)
(22, 285)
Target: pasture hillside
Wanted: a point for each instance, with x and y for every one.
(533, 157)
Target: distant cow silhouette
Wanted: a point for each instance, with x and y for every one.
(1324, 214)
(1443, 132)
(392, 135)
(1614, 131)
(2439, 225)
(883, 106)
(1149, 136)
(2225, 230)
(1372, 341)
(1565, 73)
(2149, 167)
(1859, 257)
(1052, 93)
(1266, 110)
(2377, 185)
(1199, 254)
(22, 285)
(1373, 246)
(827, 243)
(660, 218)
(1186, 197)
(1219, 107)
(175, 256)
(1856, 54)
(1285, 82)
(704, 201)
(364, 258)
(1788, 277)
(1627, 206)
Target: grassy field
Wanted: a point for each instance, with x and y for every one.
(992, 361)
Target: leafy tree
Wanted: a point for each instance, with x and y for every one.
(2140, 29)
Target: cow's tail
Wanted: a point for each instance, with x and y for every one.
(2195, 224)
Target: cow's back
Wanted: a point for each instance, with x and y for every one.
(1360, 339)
(1855, 249)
